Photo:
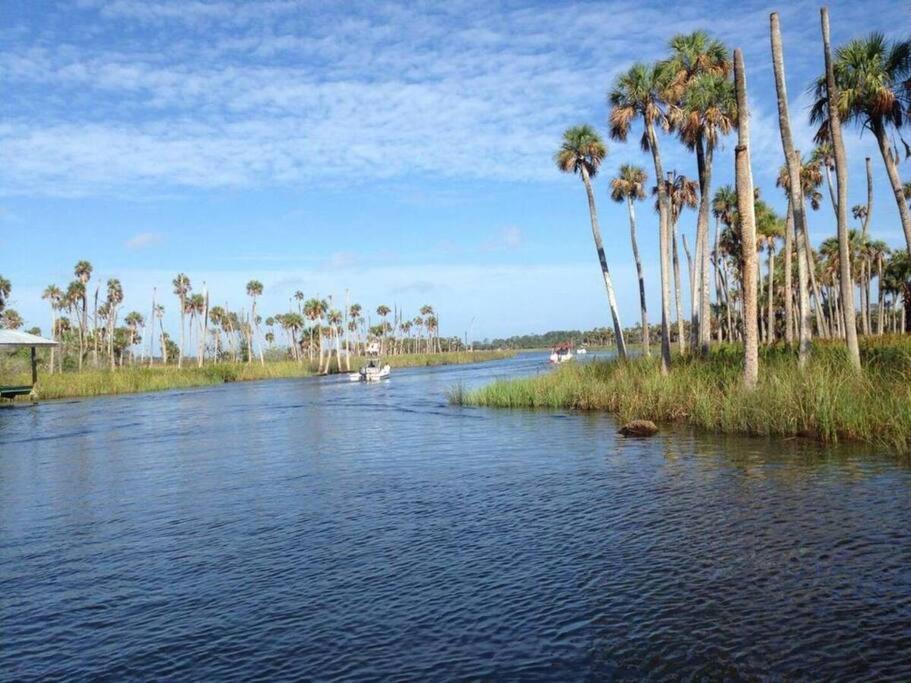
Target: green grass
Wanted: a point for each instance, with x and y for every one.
(827, 401)
(135, 379)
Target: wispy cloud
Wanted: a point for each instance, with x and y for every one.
(144, 240)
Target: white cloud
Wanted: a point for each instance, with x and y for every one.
(144, 240)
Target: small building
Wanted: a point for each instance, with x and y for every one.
(14, 339)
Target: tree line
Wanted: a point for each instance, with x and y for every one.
(90, 331)
(698, 94)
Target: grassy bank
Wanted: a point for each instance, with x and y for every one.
(826, 401)
(130, 380)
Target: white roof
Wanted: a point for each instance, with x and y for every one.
(17, 338)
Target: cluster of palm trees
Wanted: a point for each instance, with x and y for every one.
(87, 327)
(698, 94)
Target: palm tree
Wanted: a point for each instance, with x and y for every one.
(334, 320)
(114, 299)
(54, 296)
(824, 155)
(10, 319)
(637, 93)
(582, 152)
(769, 228)
(747, 220)
(134, 321)
(724, 209)
(182, 287)
(871, 78)
(833, 128)
(5, 289)
(683, 194)
(879, 251)
(629, 186)
(383, 311)
(83, 274)
(702, 107)
(255, 289)
(810, 177)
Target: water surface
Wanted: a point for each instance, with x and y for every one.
(318, 528)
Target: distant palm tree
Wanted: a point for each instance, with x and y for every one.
(383, 311)
(182, 288)
(5, 289)
(114, 299)
(871, 75)
(639, 93)
(159, 315)
(629, 186)
(134, 321)
(582, 152)
(54, 296)
(254, 290)
(10, 319)
(83, 274)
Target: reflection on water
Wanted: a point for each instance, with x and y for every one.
(330, 529)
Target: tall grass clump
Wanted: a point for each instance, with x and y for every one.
(828, 400)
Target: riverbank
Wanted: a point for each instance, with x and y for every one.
(136, 379)
(827, 401)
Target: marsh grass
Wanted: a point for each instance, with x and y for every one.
(827, 401)
(136, 379)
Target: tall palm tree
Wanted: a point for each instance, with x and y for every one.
(254, 290)
(83, 274)
(833, 129)
(54, 296)
(114, 299)
(747, 220)
(871, 77)
(383, 311)
(629, 186)
(769, 228)
(582, 152)
(182, 288)
(810, 177)
(879, 251)
(724, 209)
(637, 94)
(702, 107)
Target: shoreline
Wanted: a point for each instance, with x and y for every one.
(139, 379)
(827, 402)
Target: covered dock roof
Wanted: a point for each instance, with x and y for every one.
(17, 339)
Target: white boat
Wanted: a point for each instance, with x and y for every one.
(561, 354)
(372, 372)
(582, 351)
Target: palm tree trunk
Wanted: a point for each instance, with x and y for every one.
(642, 307)
(770, 319)
(894, 179)
(796, 206)
(788, 279)
(663, 249)
(746, 208)
(681, 340)
(701, 302)
(182, 324)
(841, 177)
(691, 278)
(602, 259)
(880, 313)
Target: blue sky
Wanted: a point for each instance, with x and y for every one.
(399, 150)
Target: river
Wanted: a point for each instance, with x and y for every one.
(329, 530)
